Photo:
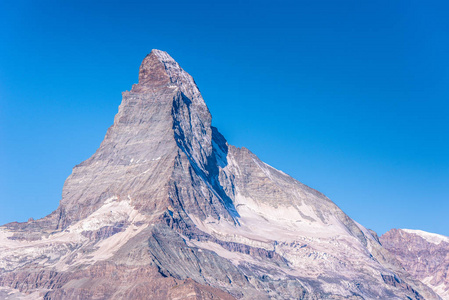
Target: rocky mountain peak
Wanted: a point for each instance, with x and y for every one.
(159, 69)
(166, 202)
(152, 71)
(163, 114)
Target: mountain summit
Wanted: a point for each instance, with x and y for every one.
(167, 209)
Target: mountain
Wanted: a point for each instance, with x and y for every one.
(167, 209)
(422, 254)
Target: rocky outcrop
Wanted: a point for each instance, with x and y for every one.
(167, 209)
(424, 255)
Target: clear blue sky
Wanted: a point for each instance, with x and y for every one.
(349, 97)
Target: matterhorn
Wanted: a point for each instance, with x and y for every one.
(167, 209)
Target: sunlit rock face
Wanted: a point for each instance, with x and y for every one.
(167, 209)
(424, 255)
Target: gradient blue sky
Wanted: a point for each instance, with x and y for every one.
(349, 97)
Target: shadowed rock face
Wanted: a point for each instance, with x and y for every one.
(167, 209)
(424, 255)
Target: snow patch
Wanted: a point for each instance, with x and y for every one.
(57, 249)
(112, 212)
(14, 294)
(442, 289)
(262, 225)
(433, 238)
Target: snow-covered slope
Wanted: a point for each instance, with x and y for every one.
(428, 236)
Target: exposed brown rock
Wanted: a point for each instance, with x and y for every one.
(425, 260)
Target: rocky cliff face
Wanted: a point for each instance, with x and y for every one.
(167, 209)
(424, 255)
